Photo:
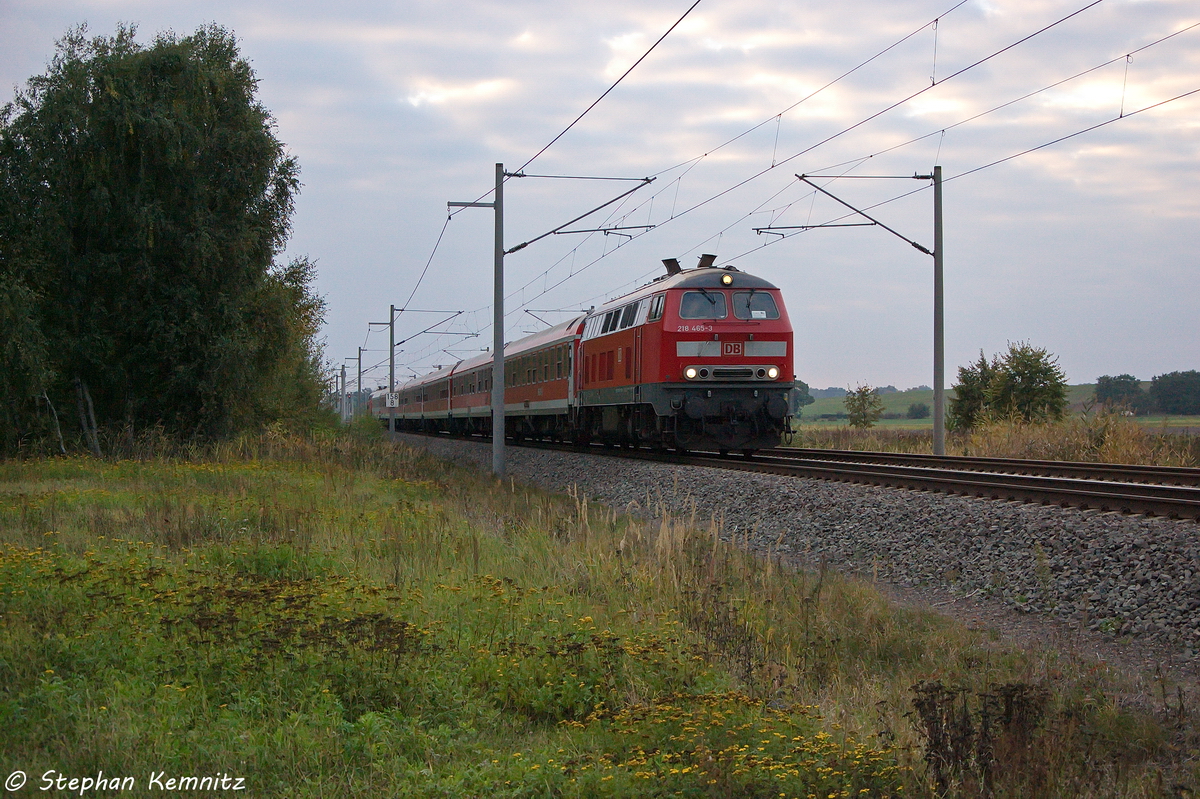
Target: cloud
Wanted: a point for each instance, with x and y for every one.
(429, 92)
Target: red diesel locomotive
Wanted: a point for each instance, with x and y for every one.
(697, 359)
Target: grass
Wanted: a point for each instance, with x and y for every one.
(338, 616)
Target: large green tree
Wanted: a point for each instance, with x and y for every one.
(146, 199)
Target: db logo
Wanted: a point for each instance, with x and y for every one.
(731, 348)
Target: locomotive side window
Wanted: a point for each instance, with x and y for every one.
(754, 305)
(656, 307)
(610, 322)
(702, 305)
(629, 314)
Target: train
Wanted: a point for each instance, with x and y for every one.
(697, 359)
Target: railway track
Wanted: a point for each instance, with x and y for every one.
(1155, 491)
(1111, 472)
(1171, 492)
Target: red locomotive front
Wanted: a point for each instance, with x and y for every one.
(699, 359)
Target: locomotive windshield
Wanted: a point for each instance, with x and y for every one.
(754, 305)
(702, 305)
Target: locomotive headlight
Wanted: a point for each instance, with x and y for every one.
(773, 372)
(690, 373)
(726, 280)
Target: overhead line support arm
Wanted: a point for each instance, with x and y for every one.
(644, 182)
(922, 248)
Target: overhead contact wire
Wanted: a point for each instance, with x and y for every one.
(997, 162)
(1076, 133)
(596, 102)
(694, 161)
(815, 92)
(891, 107)
(1004, 105)
(428, 261)
(610, 88)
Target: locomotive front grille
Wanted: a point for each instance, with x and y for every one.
(732, 373)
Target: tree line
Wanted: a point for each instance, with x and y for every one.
(1173, 393)
(144, 201)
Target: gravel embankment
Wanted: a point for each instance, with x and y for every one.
(1113, 574)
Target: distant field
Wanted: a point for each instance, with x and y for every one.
(1078, 397)
(1173, 424)
(892, 403)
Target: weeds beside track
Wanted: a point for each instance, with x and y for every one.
(1090, 438)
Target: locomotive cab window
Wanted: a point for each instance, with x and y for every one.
(754, 305)
(702, 305)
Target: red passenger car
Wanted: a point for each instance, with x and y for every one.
(697, 359)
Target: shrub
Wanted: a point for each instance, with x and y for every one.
(918, 410)
(863, 407)
(1025, 383)
(1029, 385)
(970, 393)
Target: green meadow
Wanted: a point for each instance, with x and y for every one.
(337, 615)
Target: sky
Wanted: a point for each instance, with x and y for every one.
(1088, 247)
